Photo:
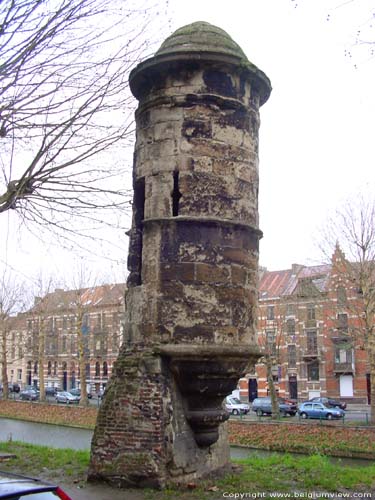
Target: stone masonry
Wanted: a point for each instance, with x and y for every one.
(193, 263)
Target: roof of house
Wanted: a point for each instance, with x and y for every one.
(274, 284)
(97, 296)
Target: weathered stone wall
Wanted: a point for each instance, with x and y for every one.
(196, 152)
(193, 261)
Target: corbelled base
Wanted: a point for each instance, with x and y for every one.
(205, 375)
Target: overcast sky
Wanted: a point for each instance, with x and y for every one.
(317, 129)
(317, 142)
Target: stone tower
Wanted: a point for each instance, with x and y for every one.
(193, 263)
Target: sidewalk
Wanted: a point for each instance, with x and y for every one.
(101, 492)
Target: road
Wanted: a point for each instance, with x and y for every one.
(354, 413)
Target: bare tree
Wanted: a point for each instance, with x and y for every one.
(11, 301)
(83, 293)
(360, 40)
(42, 317)
(65, 108)
(270, 340)
(353, 230)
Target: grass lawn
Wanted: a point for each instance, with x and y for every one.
(74, 416)
(256, 475)
(309, 438)
(47, 463)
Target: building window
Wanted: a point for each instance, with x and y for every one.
(271, 341)
(64, 345)
(105, 369)
(87, 370)
(97, 369)
(313, 371)
(312, 341)
(55, 368)
(85, 321)
(292, 356)
(36, 368)
(19, 374)
(291, 326)
(86, 347)
(311, 312)
(341, 296)
(72, 321)
(343, 356)
(65, 323)
(271, 312)
(290, 310)
(342, 322)
(49, 369)
(72, 345)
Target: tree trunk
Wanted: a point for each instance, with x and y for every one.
(82, 361)
(4, 364)
(272, 391)
(41, 352)
(372, 385)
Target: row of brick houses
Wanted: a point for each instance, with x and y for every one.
(306, 317)
(102, 329)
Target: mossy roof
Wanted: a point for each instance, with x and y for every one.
(201, 37)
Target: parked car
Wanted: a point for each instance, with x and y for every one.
(235, 406)
(311, 409)
(263, 406)
(66, 397)
(29, 395)
(329, 402)
(31, 388)
(17, 487)
(77, 392)
(11, 387)
(51, 391)
(14, 388)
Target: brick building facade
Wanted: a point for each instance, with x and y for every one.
(102, 328)
(307, 319)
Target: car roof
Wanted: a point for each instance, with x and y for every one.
(15, 484)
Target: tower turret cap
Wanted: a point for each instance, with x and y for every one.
(199, 41)
(201, 37)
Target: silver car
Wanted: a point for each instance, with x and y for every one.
(66, 397)
(235, 406)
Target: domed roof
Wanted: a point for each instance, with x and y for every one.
(199, 41)
(201, 37)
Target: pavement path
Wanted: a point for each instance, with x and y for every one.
(101, 492)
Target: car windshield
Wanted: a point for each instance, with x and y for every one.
(235, 401)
